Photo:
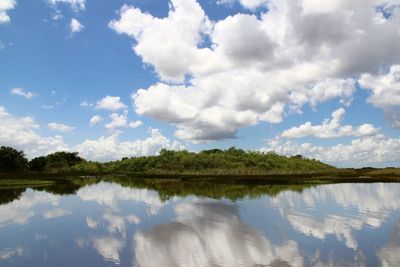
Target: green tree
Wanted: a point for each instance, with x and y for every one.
(37, 164)
(62, 159)
(12, 160)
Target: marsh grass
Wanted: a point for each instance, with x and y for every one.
(21, 183)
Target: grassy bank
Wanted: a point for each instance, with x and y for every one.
(16, 183)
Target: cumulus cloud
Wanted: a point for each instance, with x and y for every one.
(330, 128)
(76, 5)
(373, 150)
(111, 148)
(75, 26)
(385, 92)
(112, 103)
(243, 69)
(60, 127)
(121, 121)
(5, 6)
(22, 134)
(95, 120)
(135, 124)
(22, 92)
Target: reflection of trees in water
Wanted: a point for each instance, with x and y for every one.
(9, 195)
(213, 188)
(60, 187)
(167, 188)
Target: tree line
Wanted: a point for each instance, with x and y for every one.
(215, 161)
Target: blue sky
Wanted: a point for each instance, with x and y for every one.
(202, 74)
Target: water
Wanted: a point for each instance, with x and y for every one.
(108, 224)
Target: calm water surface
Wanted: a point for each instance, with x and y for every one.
(107, 224)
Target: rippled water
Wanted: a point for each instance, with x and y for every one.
(107, 224)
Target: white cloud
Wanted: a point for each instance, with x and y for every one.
(21, 134)
(86, 104)
(57, 15)
(60, 127)
(249, 4)
(121, 121)
(95, 120)
(55, 213)
(371, 151)
(22, 92)
(385, 92)
(75, 26)
(111, 148)
(5, 6)
(244, 69)
(76, 5)
(323, 91)
(186, 22)
(117, 121)
(330, 128)
(135, 124)
(112, 103)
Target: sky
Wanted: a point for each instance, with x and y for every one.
(114, 78)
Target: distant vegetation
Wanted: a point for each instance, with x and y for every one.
(12, 160)
(232, 161)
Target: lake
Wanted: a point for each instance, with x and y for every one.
(110, 223)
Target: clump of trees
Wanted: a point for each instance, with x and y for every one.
(12, 160)
(59, 161)
(216, 162)
(212, 162)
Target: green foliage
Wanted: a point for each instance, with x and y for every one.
(12, 160)
(232, 161)
(37, 164)
(59, 162)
